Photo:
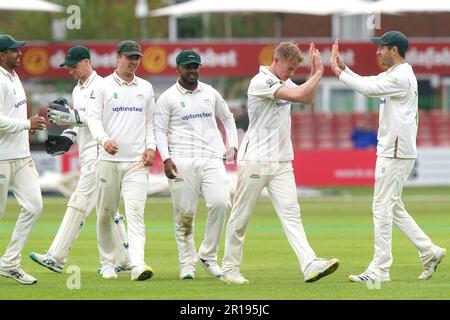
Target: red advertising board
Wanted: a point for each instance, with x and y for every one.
(226, 58)
(311, 168)
(335, 167)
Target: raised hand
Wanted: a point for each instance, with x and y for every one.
(337, 66)
(312, 48)
(318, 64)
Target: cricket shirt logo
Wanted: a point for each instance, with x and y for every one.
(254, 176)
(2, 175)
(183, 104)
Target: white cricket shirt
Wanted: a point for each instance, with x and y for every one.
(185, 122)
(87, 145)
(14, 123)
(123, 112)
(268, 137)
(398, 120)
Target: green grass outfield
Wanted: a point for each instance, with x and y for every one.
(339, 225)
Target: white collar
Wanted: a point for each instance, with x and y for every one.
(266, 71)
(11, 77)
(184, 90)
(121, 81)
(88, 80)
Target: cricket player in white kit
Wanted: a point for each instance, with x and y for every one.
(193, 153)
(264, 161)
(17, 170)
(396, 153)
(82, 201)
(121, 119)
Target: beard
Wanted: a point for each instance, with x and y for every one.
(191, 80)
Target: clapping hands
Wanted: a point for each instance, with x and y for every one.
(336, 64)
(316, 61)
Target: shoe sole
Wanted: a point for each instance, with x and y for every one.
(17, 280)
(147, 274)
(370, 280)
(317, 276)
(35, 259)
(234, 283)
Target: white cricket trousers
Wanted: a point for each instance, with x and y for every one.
(131, 179)
(21, 177)
(390, 177)
(206, 176)
(79, 208)
(278, 178)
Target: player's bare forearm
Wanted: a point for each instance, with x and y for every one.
(309, 88)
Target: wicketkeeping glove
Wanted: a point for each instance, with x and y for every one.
(57, 145)
(60, 113)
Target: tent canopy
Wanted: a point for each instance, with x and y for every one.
(29, 5)
(316, 7)
(400, 6)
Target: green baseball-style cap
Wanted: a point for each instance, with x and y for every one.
(129, 48)
(394, 38)
(187, 57)
(75, 55)
(7, 43)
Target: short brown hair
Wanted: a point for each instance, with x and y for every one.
(287, 51)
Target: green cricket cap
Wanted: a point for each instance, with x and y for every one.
(129, 48)
(187, 57)
(75, 55)
(394, 38)
(7, 42)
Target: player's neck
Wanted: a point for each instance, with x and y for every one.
(396, 61)
(10, 70)
(125, 77)
(84, 79)
(271, 68)
(188, 86)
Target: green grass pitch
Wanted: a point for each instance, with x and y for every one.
(339, 225)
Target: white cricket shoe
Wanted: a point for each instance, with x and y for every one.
(320, 268)
(187, 275)
(46, 260)
(141, 273)
(108, 272)
(367, 276)
(19, 275)
(118, 268)
(211, 267)
(431, 262)
(233, 277)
